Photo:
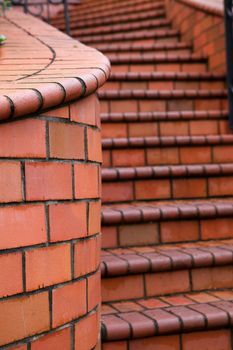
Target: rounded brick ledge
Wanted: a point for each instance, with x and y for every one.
(45, 68)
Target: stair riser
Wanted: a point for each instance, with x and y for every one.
(126, 28)
(164, 85)
(164, 232)
(162, 67)
(165, 283)
(168, 156)
(121, 19)
(168, 39)
(168, 188)
(115, 35)
(130, 11)
(163, 105)
(216, 339)
(157, 51)
(166, 128)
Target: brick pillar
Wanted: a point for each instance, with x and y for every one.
(50, 229)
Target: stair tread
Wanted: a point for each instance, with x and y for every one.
(163, 171)
(161, 94)
(159, 258)
(166, 141)
(157, 116)
(139, 212)
(141, 47)
(153, 33)
(123, 27)
(135, 76)
(173, 314)
(141, 58)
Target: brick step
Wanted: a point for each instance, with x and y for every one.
(199, 123)
(164, 81)
(99, 7)
(137, 101)
(165, 258)
(167, 150)
(161, 272)
(125, 27)
(101, 15)
(156, 12)
(144, 124)
(167, 182)
(179, 47)
(144, 36)
(163, 222)
(184, 321)
(162, 116)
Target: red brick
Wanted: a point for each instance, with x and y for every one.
(130, 235)
(152, 105)
(170, 342)
(123, 106)
(212, 278)
(10, 182)
(33, 310)
(58, 340)
(109, 237)
(86, 256)
(117, 345)
(85, 111)
(222, 154)
(94, 218)
(24, 138)
(94, 290)
(163, 156)
(178, 231)
(216, 228)
(69, 302)
(11, 276)
(117, 191)
(114, 130)
(189, 188)
(173, 128)
(86, 332)
(192, 155)
(47, 266)
(167, 283)
(140, 130)
(221, 186)
(152, 189)
(62, 112)
(46, 180)
(66, 141)
(217, 340)
(67, 221)
(87, 181)
(17, 224)
(132, 157)
(203, 127)
(94, 145)
(118, 288)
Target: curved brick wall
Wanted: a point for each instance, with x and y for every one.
(202, 24)
(49, 189)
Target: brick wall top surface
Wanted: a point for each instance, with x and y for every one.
(42, 68)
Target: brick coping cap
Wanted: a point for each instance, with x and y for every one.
(43, 68)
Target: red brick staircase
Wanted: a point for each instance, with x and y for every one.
(167, 217)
